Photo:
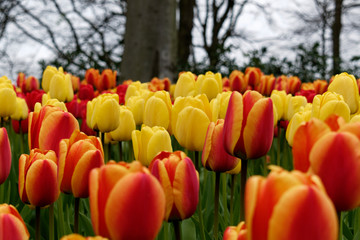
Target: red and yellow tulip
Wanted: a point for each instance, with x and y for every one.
(236, 233)
(106, 80)
(12, 226)
(5, 155)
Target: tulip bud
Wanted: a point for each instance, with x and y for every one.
(158, 110)
(8, 96)
(209, 84)
(60, 87)
(236, 233)
(22, 110)
(5, 155)
(185, 85)
(12, 226)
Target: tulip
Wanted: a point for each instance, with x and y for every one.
(253, 76)
(157, 84)
(91, 76)
(125, 128)
(219, 106)
(117, 202)
(330, 103)
(148, 142)
(209, 84)
(320, 86)
(48, 125)
(121, 91)
(75, 236)
(60, 87)
(21, 111)
(86, 92)
(282, 83)
(335, 159)
(185, 85)
(78, 155)
(30, 84)
(48, 101)
(214, 156)
(157, 110)
(12, 226)
(345, 85)
(8, 96)
(33, 97)
(103, 112)
(293, 105)
(137, 106)
(38, 183)
(248, 127)
(20, 79)
(289, 205)
(180, 181)
(309, 94)
(20, 126)
(5, 155)
(266, 85)
(294, 84)
(279, 99)
(238, 82)
(48, 73)
(75, 82)
(236, 233)
(106, 81)
(306, 135)
(298, 119)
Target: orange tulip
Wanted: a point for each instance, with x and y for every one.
(320, 86)
(48, 126)
(180, 181)
(238, 82)
(5, 155)
(266, 85)
(78, 155)
(106, 80)
(91, 76)
(236, 233)
(30, 84)
(253, 76)
(294, 84)
(289, 205)
(335, 158)
(117, 196)
(38, 183)
(12, 225)
(248, 127)
(20, 79)
(214, 156)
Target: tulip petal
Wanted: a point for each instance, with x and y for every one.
(5, 155)
(12, 228)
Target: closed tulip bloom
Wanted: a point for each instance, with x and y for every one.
(296, 121)
(214, 156)
(20, 79)
(346, 85)
(106, 81)
(61, 87)
(180, 181)
(48, 125)
(236, 233)
(137, 106)
(219, 106)
(86, 92)
(306, 136)
(8, 96)
(148, 142)
(38, 183)
(210, 84)
(5, 155)
(91, 76)
(126, 202)
(293, 105)
(330, 103)
(21, 111)
(335, 158)
(320, 86)
(78, 155)
(294, 84)
(75, 236)
(249, 126)
(33, 97)
(157, 110)
(103, 112)
(253, 76)
(30, 84)
(288, 205)
(238, 82)
(12, 226)
(185, 85)
(48, 73)
(48, 101)
(279, 99)
(266, 85)
(125, 128)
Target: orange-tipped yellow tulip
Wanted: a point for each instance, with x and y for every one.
(248, 127)
(214, 156)
(106, 80)
(48, 126)
(5, 155)
(180, 181)
(148, 142)
(38, 183)
(78, 155)
(236, 233)
(289, 205)
(126, 202)
(12, 226)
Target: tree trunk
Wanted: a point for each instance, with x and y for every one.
(186, 9)
(336, 31)
(150, 40)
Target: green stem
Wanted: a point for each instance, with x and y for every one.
(106, 153)
(201, 220)
(165, 231)
(197, 159)
(278, 146)
(21, 138)
(76, 215)
(37, 223)
(340, 225)
(60, 217)
(242, 188)
(224, 197)
(120, 151)
(177, 229)
(51, 222)
(265, 166)
(216, 205)
(233, 181)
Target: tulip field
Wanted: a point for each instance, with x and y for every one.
(245, 156)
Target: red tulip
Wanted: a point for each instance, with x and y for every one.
(48, 126)
(86, 92)
(238, 82)
(30, 84)
(214, 156)
(12, 225)
(38, 183)
(117, 196)
(91, 76)
(33, 97)
(5, 155)
(248, 127)
(77, 157)
(121, 91)
(180, 181)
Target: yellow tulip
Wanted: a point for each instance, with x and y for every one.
(103, 112)
(330, 103)
(185, 85)
(210, 84)
(21, 111)
(48, 73)
(47, 100)
(293, 105)
(125, 128)
(279, 100)
(61, 87)
(137, 106)
(7, 100)
(219, 106)
(296, 121)
(148, 142)
(345, 85)
(158, 110)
